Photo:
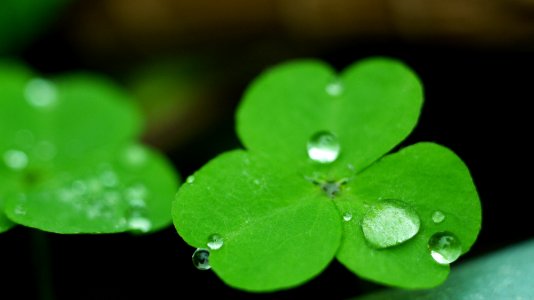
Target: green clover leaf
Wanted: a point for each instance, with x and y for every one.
(69, 162)
(313, 185)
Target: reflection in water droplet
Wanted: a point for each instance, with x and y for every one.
(215, 242)
(139, 223)
(201, 259)
(444, 247)
(40, 93)
(334, 88)
(438, 217)
(389, 222)
(190, 179)
(347, 216)
(16, 160)
(323, 147)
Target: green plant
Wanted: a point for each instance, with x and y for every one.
(69, 160)
(313, 185)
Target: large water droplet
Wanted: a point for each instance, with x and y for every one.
(16, 160)
(347, 216)
(215, 242)
(40, 93)
(201, 259)
(438, 217)
(389, 222)
(334, 89)
(444, 247)
(323, 147)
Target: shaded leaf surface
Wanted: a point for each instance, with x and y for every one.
(68, 161)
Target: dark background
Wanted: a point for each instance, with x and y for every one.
(478, 90)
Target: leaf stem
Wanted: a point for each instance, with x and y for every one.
(41, 261)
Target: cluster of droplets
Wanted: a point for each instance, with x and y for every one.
(201, 256)
(103, 196)
(389, 223)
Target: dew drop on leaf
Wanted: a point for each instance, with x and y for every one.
(135, 156)
(215, 242)
(138, 222)
(190, 179)
(438, 217)
(347, 216)
(334, 89)
(323, 147)
(201, 259)
(389, 223)
(40, 93)
(16, 159)
(444, 247)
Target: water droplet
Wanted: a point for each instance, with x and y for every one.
(334, 89)
(135, 155)
(389, 222)
(323, 147)
(139, 223)
(347, 216)
(444, 247)
(190, 179)
(20, 210)
(45, 150)
(40, 93)
(438, 217)
(16, 160)
(215, 242)
(201, 259)
(109, 178)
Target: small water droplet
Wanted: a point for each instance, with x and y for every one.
(139, 223)
(438, 217)
(444, 247)
(323, 147)
(215, 242)
(40, 93)
(16, 160)
(45, 150)
(347, 216)
(389, 223)
(334, 89)
(201, 259)
(135, 155)
(109, 178)
(20, 210)
(190, 179)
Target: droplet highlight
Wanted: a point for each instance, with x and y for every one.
(444, 247)
(215, 242)
(40, 93)
(389, 223)
(190, 179)
(347, 216)
(323, 147)
(16, 160)
(334, 89)
(438, 217)
(201, 259)
(138, 222)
